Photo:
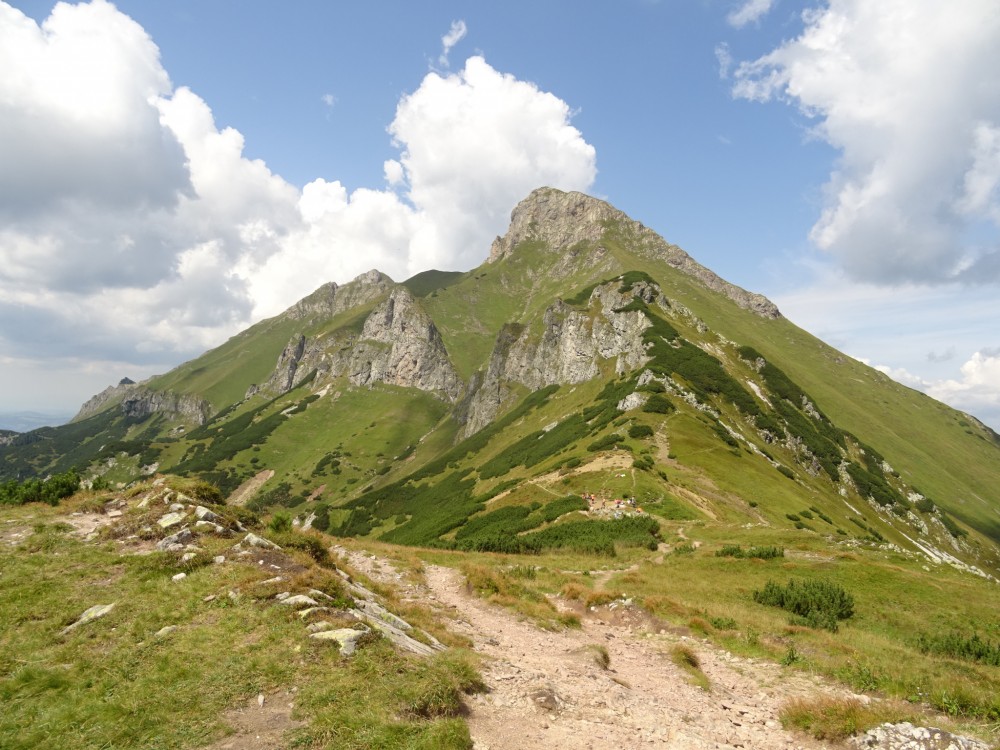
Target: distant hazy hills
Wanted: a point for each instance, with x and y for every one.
(22, 421)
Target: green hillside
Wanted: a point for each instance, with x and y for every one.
(591, 399)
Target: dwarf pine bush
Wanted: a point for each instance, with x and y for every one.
(820, 604)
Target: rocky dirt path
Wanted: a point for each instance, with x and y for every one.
(546, 689)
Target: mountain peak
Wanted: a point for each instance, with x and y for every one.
(558, 218)
(563, 219)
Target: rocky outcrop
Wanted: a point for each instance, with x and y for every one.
(906, 736)
(139, 402)
(283, 378)
(558, 219)
(562, 220)
(109, 395)
(569, 349)
(400, 345)
(331, 299)
(142, 402)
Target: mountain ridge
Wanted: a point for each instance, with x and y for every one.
(609, 323)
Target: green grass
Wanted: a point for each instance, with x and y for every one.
(113, 684)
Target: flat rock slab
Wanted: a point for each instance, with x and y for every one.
(172, 519)
(299, 600)
(346, 637)
(89, 615)
(906, 736)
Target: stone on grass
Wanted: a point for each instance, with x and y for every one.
(253, 540)
(171, 519)
(89, 615)
(165, 631)
(175, 541)
(204, 514)
(299, 600)
(304, 613)
(346, 637)
(179, 577)
(210, 527)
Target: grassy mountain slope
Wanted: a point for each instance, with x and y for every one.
(724, 424)
(621, 413)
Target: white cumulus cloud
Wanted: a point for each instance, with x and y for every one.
(134, 231)
(907, 90)
(977, 391)
(472, 144)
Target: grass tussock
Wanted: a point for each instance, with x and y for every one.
(834, 718)
(600, 655)
(501, 588)
(684, 657)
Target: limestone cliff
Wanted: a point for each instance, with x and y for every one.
(332, 299)
(398, 344)
(569, 349)
(97, 403)
(142, 402)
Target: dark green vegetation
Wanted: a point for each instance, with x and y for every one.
(50, 490)
(760, 553)
(820, 604)
(971, 648)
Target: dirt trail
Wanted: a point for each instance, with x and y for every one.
(547, 690)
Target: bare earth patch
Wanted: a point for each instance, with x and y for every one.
(259, 725)
(549, 689)
(249, 488)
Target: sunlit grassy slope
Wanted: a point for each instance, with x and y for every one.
(338, 444)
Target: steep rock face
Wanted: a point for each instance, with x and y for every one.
(331, 299)
(400, 345)
(562, 220)
(97, 403)
(142, 402)
(556, 218)
(569, 350)
(283, 379)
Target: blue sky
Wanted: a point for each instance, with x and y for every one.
(172, 172)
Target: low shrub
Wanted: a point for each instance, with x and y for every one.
(608, 441)
(958, 646)
(760, 553)
(820, 604)
(833, 718)
(637, 431)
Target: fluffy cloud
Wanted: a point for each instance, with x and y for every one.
(134, 231)
(977, 391)
(473, 143)
(907, 91)
(750, 12)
